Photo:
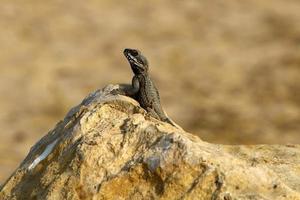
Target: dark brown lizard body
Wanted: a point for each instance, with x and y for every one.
(143, 88)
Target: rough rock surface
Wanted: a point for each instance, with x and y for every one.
(108, 148)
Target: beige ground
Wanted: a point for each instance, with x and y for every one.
(228, 70)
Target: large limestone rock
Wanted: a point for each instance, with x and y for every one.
(108, 148)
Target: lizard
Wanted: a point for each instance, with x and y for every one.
(142, 87)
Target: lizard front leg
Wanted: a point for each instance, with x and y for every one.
(135, 87)
(128, 90)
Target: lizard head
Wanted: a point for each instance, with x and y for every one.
(137, 61)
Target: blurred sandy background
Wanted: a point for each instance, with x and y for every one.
(226, 70)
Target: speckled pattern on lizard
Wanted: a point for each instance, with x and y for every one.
(143, 88)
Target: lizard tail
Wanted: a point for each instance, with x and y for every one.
(168, 121)
(171, 122)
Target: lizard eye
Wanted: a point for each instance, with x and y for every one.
(134, 53)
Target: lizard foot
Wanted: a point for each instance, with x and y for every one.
(117, 92)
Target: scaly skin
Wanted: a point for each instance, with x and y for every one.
(143, 88)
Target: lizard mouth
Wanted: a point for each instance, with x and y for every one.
(132, 59)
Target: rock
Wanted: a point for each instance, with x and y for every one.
(108, 148)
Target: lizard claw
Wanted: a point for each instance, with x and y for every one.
(115, 92)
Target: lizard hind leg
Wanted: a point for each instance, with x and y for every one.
(152, 113)
(169, 121)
